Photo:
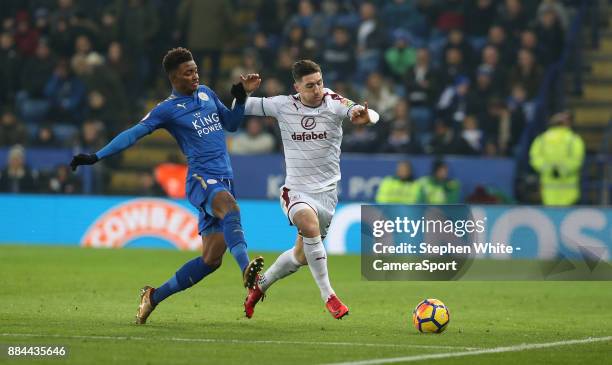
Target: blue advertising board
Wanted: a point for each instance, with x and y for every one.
(260, 177)
(114, 222)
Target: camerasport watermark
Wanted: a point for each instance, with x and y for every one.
(454, 242)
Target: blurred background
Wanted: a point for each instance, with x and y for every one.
(481, 101)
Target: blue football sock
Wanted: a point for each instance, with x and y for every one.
(234, 238)
(188, 275)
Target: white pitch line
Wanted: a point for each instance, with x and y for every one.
(495, 350)
(231, 341)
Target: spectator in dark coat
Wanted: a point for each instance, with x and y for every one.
(371, 40)
(66, 94)
(550, 36)
(339, 56)
(456, 102)
(527, 73)
(483, 10)
(514, 17)
(17, 177)
(10, 68)
(12, 130)
(401, 140)
(26, 36)
(452, 67)
(421, 82)
(506, 46)
(37, 70)
(62, 181)
(499, 73)
(456, 39)
(45, 137)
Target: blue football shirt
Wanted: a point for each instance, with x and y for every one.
(197, 122)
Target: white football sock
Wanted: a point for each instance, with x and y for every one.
(317, 261)
(285, 265)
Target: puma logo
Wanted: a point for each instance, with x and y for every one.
(181, 105)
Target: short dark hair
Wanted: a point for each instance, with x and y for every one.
(175, 57)
(304, 67)
(437, 165)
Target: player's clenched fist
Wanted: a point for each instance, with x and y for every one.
(83, 159)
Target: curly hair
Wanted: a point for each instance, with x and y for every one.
(175, 57)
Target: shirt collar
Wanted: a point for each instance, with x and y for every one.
(177, 94)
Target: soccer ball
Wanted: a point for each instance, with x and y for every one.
(430, 316)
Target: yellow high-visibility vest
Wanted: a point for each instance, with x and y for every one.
(561, 149)
(395, 191)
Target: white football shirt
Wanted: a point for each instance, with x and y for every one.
(311, 137)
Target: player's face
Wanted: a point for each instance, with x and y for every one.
(310, 89)
(186, 79)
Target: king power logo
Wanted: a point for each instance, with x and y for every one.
(139, 218)
(206, 124)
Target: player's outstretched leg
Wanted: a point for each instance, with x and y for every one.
(191, 273)
(286, 264)
(317, 261)
(213, 247)
(308, 224)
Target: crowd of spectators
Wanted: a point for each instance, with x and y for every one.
(447, 76)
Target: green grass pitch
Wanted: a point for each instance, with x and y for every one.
(86, 299)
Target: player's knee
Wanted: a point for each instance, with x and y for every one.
(212, 261)
(232, 206)
(307, 223)
(309, 228)
(224, 203)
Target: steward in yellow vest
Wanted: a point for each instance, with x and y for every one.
(557, 155)
(438, 188)
(398, 189)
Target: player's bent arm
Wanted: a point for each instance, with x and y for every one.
(261, 107)
(124, 140)
(358, 114)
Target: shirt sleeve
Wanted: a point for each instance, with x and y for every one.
(340, 105)
(262, 107)
(152, 121)
(230, 118)
(124, 140)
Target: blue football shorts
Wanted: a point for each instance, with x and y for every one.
(201, 190)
